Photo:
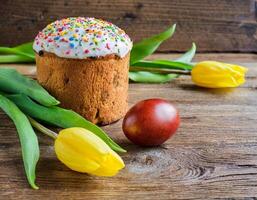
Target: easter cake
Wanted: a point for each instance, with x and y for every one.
(84, 63)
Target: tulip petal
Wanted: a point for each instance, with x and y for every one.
(85, 143)
(83, 151)
(212, 74)
(111, 166)
(74, 160)
(107, 172)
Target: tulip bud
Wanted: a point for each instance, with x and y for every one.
(82, 151)
(212, 74)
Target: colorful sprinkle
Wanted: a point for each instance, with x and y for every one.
(78, 37)
(84, 38)
(72, 45)
(107, 46)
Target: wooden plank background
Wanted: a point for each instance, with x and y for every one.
(213, 154)
(216, 26)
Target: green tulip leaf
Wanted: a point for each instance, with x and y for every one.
(188, 56)
(163, 64)
(16, 59)
(28, 138)
(147, 46)
(182, 63)
(60, 117)
(13, 82)
(149, 77)
(25, 49)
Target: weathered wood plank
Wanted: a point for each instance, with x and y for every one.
(223, 25)
(213, 155)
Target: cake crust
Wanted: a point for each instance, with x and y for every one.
(96, 88)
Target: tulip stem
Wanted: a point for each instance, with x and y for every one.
(160, 70)
(42, 129)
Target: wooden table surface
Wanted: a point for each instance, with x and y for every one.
(213, 154)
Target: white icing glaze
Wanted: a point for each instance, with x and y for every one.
(79, 38)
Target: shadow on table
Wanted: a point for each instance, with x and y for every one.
(218, 91)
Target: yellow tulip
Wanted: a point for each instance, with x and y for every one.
(82, 151)
(212, 74)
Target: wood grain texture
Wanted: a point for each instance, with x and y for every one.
(219, 26)
(213, 154)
